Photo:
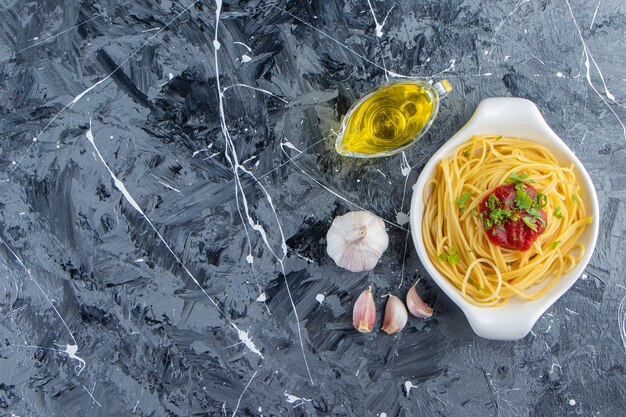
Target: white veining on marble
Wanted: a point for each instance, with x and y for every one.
(91, 393)
(589, 57)
(290, 145)
(405, 168)
(407, 387)
(243, 336)
(56, 35)
(394, 74)
(291, 399)
(79, 96)
(256, 89)
(595, 13)
(379, 33)
(402, 217)
(379, 26)
(243, 392)
(621, 320)
(163, 183)
(240, 196)
(244, 45)
(451, 67)
(70, 349)
(519, 4)
(339, 195)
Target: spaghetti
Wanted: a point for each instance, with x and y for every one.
(455, 232)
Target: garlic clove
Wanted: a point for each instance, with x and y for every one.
(395, 315)
(364, 313)
(416, 305)
(357, 240)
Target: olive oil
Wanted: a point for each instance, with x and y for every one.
(389, 118)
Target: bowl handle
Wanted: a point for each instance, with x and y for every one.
(510, 115)
(509, 109)
(501, 325)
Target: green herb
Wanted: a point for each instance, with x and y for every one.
(474, 213)
(493, 202)
(466, 152)
(487, 223)
(557, 213)
(499, 216)
(536, 213)
(541, 200)
(555, 244)
(515, 238)
(522, 199)
(574, 199)
(499, 137)
(518, 178)
(465, 195)
(452, 258)
(530, 223)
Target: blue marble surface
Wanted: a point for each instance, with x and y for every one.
(167, 178)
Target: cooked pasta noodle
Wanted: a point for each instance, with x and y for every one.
(485, 273)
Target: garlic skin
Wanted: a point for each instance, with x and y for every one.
(364, 313)
(356, 241)
(416, 305)
(396, 315)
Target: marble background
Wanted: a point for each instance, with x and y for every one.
(162, 246)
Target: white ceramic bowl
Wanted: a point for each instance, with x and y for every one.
(521, 118)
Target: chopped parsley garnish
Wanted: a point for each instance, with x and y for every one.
(530, 223)
(452, 258)
(555, 244)
(493, 202)
(486, 221)
(466, 152)
(536, 215)
(465, 195)
(541, 200)
(557, 213)
(522, 207)
(522, 199)
(499, 216)
(574, 199)
(518, 178)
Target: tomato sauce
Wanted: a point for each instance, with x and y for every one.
(511, 232)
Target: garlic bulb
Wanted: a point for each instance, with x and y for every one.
(364, 313)
(356, 241)
(395, 315)
(416, 306)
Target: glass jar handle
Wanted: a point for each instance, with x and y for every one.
(443, 88)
